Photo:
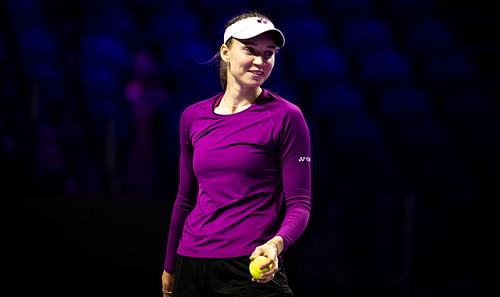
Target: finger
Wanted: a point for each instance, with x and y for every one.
(260, 250)
(264, 280)
(269, 274)
(256, 253)
(269, 264)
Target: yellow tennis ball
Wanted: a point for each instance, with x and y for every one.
(255, 265)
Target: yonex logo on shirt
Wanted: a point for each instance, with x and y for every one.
(304, 159)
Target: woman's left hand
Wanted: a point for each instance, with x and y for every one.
(269, 250)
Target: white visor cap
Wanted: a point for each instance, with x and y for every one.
(251, 27)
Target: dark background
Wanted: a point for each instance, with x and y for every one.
(401, 97)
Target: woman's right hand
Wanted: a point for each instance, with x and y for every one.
(167, 283)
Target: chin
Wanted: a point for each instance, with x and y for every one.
(257, 81)
(255, 84)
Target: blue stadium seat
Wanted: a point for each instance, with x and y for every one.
(305, 30)
(281, 86)
(101, 88)
(104, 99)
(404, 104)
(37, 44)
(110, 17)
(361, 35)
(340, 9)
(24, 14)
(50, 79)
(275, 9)
(324, 64)
(427, 37)
(105, 49)
(337, 100)
(191, 57)
(385, 68)
(215, 5)
(187, 53)
(175, 25)
(356, 134)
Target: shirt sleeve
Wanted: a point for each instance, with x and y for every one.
(295, 157)
(186, 195)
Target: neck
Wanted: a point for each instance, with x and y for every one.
(233, 101)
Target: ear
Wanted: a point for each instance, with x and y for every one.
(224, 53)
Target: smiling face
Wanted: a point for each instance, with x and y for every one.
(250, 61)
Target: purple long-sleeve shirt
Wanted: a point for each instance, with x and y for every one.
(244, 178)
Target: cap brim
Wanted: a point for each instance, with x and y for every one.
(252, 32)
(252, 27)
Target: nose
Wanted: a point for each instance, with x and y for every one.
(258, 60)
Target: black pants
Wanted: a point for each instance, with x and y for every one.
(195, 277)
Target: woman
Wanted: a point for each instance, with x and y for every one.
(245, 176)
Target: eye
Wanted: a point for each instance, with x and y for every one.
(268, 54)
(249, 50)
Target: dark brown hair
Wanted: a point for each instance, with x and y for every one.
(217, 58)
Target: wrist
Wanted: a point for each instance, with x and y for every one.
(275, 245)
